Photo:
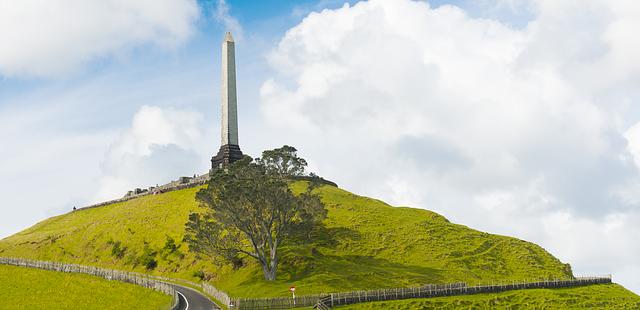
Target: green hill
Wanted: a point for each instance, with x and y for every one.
(365, 244)
(27, 288)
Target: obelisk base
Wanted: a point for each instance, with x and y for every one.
(227, 154)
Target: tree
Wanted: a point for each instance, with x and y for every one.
(283, 162)
(251, 211)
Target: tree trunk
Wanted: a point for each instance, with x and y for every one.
(269, 271)
(273, 268)
(271, 275)
(270, 265)
(266, 272)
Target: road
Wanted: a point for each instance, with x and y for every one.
(191, 299)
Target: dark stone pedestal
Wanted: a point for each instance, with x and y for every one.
(226, 155)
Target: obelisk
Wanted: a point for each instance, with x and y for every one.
(229, 147)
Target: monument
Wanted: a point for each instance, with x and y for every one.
(229, 147)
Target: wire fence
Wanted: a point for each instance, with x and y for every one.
(109, 274)
(427, 291)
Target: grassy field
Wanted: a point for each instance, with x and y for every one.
(365, 244)
(115, 236)
(27, 288)
(609, 296)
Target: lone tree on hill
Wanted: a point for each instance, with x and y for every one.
(250, 210)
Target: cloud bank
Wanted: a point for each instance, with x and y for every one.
(160, 145)
(532, 132)
(52, 38)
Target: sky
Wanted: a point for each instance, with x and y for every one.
(515, 117)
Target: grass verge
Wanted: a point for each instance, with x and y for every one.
(28, 288)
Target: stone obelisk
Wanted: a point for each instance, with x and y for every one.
(229, 149)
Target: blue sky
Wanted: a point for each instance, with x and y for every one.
(99, 97)
(517, 117)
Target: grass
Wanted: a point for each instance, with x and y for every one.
(27, 288)
(610, 296)
(365, 244)
(89, 236)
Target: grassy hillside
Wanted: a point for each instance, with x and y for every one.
(611, 296)
(366, 244)
(26, 288)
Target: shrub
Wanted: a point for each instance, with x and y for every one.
(117, 250)
(148, 257)
(170, 245)
(171, 248)
(199, 274)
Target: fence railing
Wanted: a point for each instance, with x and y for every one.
(216, 293)
(427, 291)
(329, 300)
(109, 274)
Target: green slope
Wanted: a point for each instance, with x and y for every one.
(366, 244)
(27, 288)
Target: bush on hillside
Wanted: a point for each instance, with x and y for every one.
(171, 249)
(117, 250)
(148, 257)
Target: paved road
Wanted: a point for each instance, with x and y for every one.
(191, 299)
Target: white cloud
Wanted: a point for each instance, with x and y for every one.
(49, 38)
(45, 172)
(55, 136)
(223, 16)
(161, 145)
(519, 131)
(633, 146)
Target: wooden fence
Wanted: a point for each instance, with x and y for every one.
(427, 291)
(109, 274)
(209, 289)
(327, 300)
(217, 294)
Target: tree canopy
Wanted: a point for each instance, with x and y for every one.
(283, 162)
(251, 211)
